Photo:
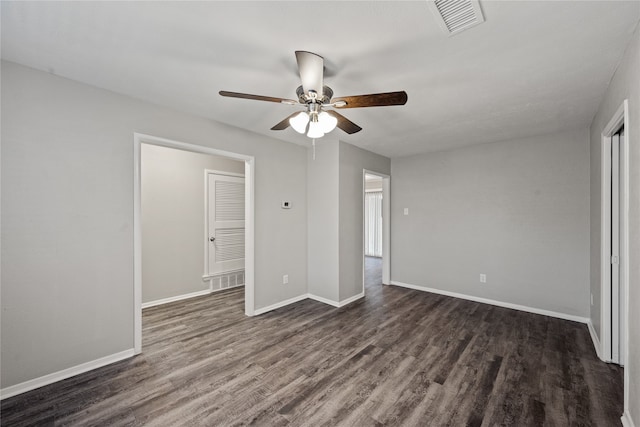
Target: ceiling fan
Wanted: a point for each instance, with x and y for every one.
(317, 120)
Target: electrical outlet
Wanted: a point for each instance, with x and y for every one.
(406, 211)
(483, 278)
(285, 279)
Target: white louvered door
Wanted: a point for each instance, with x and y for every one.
(225, 223)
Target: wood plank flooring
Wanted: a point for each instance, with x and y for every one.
(397, 357)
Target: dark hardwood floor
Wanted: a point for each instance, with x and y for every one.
(396, 357)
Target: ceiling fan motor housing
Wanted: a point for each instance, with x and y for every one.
(309, 98)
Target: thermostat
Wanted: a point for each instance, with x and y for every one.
(285, 205)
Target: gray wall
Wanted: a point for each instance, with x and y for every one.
(517, 211)
(335, 205)
(322, 207)
(172, 216)
(624, 85)
(67, 216)
(352, 162)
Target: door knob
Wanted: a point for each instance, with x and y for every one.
(212, 239)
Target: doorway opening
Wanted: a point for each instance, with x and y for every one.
(170, 224)
(615, 241)
(376, 227)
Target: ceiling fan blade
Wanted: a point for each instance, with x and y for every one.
(285, 123)
(372, 100)
(258, 97)
(311, 68)
(345, 124)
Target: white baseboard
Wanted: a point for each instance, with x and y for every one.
(280, 304)
(596, 341)
(351, 299)
(336, 303)
(324, 300)
(64, 374)
(224, 289)
(176, 298)
(309, 296)
(494, 302)
(626, 420)
(186, 296)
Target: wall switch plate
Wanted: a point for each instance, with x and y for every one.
(406, 211)
(285, 204)
(483, 278)
(285, 279)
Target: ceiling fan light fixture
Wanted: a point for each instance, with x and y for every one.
(327, 122)
(313, 95)
(299, 122)
(315, 130)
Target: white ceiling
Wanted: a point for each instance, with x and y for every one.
(532, 68)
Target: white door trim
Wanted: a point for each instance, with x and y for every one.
(249, 166)
(208, 172)
(616, 229)
(620, 118)
(386, 225)
(605, 244)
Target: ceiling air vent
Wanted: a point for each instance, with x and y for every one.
(456, 15)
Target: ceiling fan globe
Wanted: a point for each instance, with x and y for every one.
(299, 122)
(327, 122)
(315, 130)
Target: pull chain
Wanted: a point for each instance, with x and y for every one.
(313, 143)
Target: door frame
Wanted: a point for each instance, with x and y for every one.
(249, 197)
(207, 274)
(619, 119)
(386, 225)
